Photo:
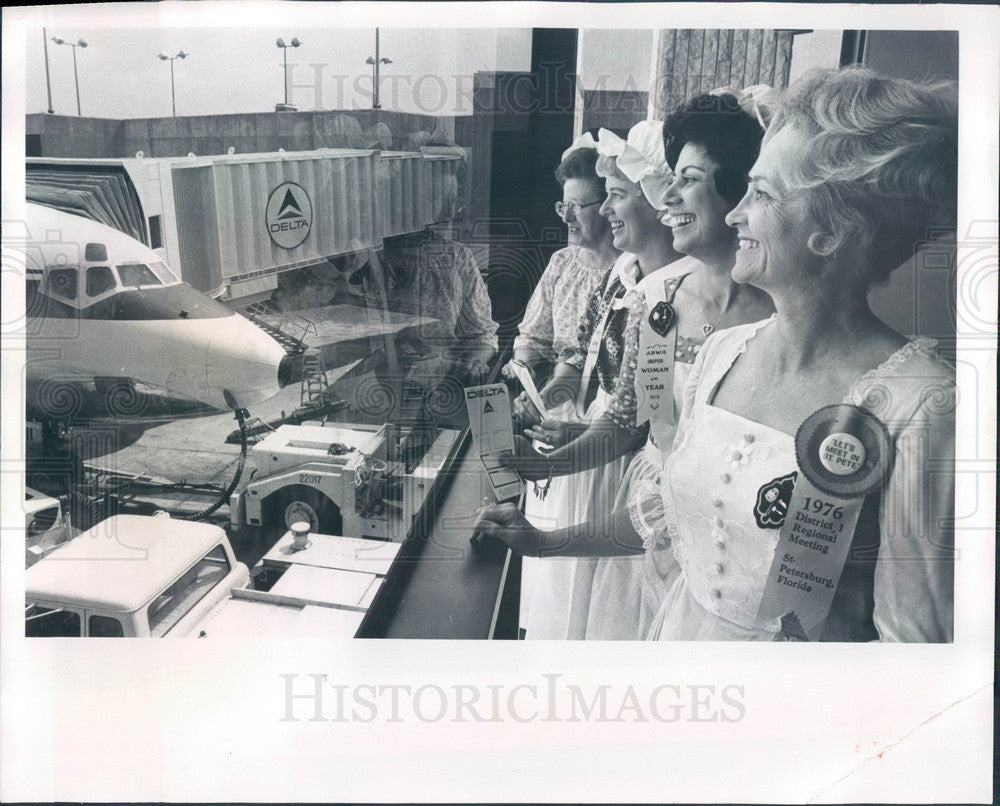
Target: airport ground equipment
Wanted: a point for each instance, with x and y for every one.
(355, 480)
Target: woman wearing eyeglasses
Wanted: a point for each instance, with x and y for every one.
(548, 330)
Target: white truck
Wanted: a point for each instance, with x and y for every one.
(45, 525)
(154, 576)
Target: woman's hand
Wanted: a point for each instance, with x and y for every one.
(471, 369)
(507, 524)
(525, 412)
(526, 461)
(508, 370)
(555, 432)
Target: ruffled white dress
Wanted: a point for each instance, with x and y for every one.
(597, 598)
(898, 583)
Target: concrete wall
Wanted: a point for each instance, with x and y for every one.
(65, 136)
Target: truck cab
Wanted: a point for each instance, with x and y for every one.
(132, 576)
(45, 525)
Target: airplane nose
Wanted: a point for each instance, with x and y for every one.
(246, 363)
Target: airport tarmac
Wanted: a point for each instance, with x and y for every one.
(193, 449)
(190, 450)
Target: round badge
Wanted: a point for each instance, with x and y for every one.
(842, 454)
(844, 450)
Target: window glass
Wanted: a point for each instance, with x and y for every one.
(155, 233)
(99, 280)
(170, 606)
(45, 622)
(94, 252)
(137, 274)
(163, 273)
(41, 521)
(34, 302)
(105, 627)
(62, 283)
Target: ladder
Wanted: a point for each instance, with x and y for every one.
(314, 386)
(263, 314)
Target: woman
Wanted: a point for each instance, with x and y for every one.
(556, 602)
(548, 330)
(853, 171)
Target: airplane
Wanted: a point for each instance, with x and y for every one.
(103, 309)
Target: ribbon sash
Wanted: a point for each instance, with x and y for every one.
(843, 453)
(812, 548)
(654, 375)
(593, 350)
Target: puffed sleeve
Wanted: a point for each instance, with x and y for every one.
(649, 516)
(914, 573)
(577, 355)
(475, 317)
(537, 329)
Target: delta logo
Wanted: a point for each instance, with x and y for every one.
(289, 215)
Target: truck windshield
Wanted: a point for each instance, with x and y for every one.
(170, 606)
(47, 622)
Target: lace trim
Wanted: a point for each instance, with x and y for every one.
(641, 527)
(723, 367)
(647, 512)
(916, 345)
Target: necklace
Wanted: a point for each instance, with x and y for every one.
(708, 328)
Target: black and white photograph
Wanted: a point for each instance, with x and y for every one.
(635, 361)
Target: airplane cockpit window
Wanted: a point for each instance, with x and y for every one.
(137, 274)
(162, 271)
(100, 279)
(95, 251)
(62, 283)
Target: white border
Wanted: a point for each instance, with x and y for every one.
(101, 720)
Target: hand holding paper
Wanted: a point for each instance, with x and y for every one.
(523, 374)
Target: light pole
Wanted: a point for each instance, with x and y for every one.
(164, 57)
(284, 49)
(48, 84)
(76, 77)
(375, 61)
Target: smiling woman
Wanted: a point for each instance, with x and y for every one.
(548, 329)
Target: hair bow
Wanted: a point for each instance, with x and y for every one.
(585, 140)
(758, 100)
(641, 158)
